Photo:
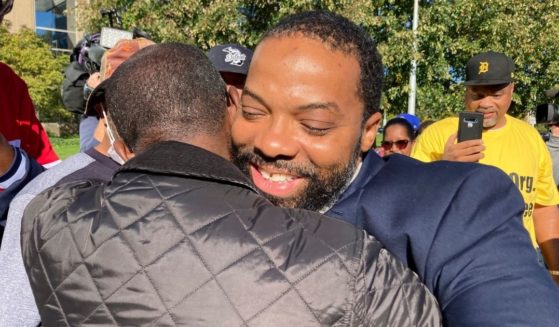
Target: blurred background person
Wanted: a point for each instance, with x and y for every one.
(232, 62)
(25, 149)
(99, 163)
(424, 124)
(398, 137)
(553, 147)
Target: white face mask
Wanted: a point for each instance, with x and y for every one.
(111, 152)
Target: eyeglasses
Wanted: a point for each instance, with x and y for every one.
(400, 144)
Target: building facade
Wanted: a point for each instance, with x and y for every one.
(52, 20)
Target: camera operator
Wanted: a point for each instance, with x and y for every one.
(81, 76)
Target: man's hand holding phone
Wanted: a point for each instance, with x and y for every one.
(466, 151)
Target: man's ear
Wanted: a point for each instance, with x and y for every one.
(233, 101)
(370, 131)
(122, 150)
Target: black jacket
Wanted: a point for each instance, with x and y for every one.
(181, 237)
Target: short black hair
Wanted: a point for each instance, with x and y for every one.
(341, 34)
(402, 122)
(165, 92)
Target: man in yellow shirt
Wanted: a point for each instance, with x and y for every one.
(507, 143)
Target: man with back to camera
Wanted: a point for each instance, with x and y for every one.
(309, 116)
(507, 143)
(25, 149)
(189, 241)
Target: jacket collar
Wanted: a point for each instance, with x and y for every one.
(371, 166)
(182, 159)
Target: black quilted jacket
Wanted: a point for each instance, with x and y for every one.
(181, 237)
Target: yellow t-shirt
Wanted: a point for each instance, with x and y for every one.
(517, 149)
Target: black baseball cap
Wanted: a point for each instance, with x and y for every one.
(230, 58)
(489, 68)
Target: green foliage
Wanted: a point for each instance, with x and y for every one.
(450, 32)
(31, 58)
(65, 146)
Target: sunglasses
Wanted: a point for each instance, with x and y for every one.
(400, 144)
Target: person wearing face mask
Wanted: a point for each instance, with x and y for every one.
(18, 305)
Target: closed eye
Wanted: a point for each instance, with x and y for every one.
(317, 131)
(251, 113)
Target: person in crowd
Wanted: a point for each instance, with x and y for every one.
(424, 124)
(309, 116)
(507, 143)
(25, 149)
(232, 62)
(414, 121)
(19, 307)
(553, 147)
(189, 241)
(81, 76)
(398, 137)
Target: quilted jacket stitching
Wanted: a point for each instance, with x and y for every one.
(358, 263)
(53, 292)
(292, 285)
(91, 277)
(301, 278)
(406, 304)
(44, 270)
(149, 278)
(235, 262)
(196, 252)
(295, 283)
(342, 260)
(119, 231)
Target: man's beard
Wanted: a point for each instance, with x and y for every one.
(322, 188)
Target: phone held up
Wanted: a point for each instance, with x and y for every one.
(470, 126)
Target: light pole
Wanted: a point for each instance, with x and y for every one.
(413, 84)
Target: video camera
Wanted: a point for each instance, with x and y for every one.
(86, 60)
(91, 49)
(548, 113)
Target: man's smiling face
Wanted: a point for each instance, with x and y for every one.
(299, 132)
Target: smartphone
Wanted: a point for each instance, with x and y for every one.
(470, 126)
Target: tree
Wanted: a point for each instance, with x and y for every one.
(450, 32)
(31, 58)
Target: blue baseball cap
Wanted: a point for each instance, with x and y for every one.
(413, 120)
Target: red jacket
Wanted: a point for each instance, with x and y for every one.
(18, 121)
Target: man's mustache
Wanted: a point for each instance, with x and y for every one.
(246, 156)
